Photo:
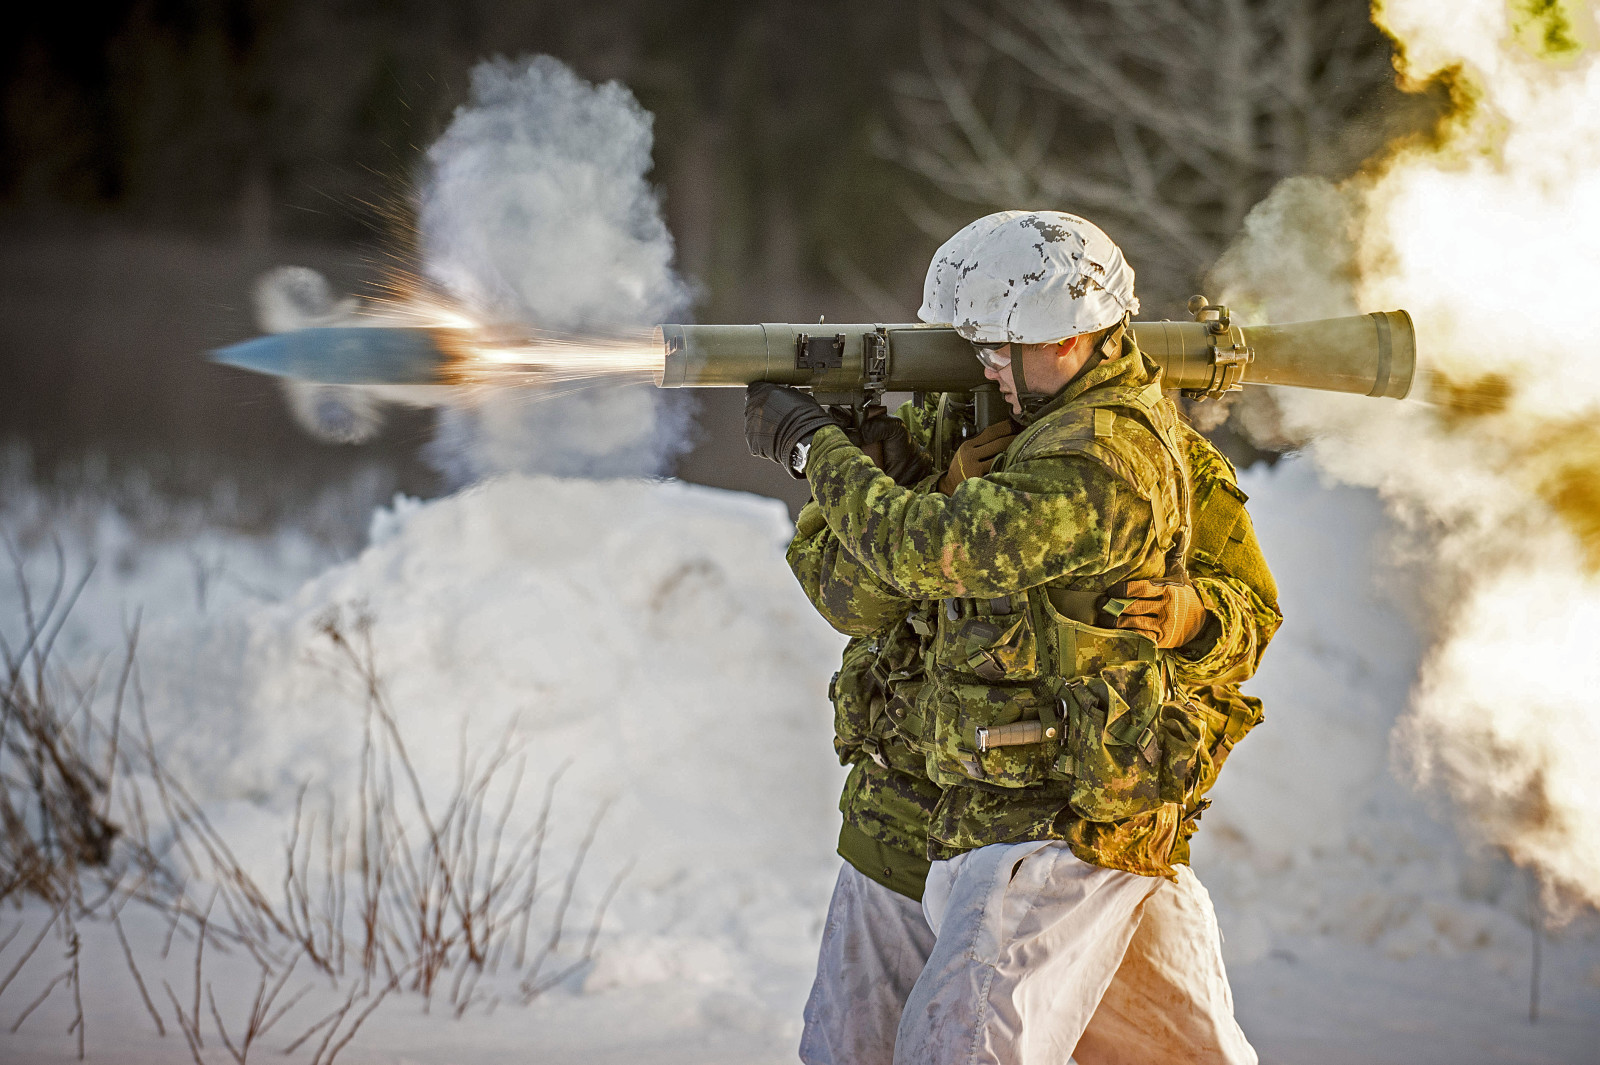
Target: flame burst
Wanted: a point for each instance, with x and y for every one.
(556, 362)
(1488, 233)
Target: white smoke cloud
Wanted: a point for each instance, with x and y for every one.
(537, 212)
(297, 297)
(537, 208)
(1486, 236)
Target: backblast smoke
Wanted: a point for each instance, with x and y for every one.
(1486, 232)
(537, 212)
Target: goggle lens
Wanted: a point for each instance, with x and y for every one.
(989, 355)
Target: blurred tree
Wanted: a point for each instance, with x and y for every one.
(308, 119)
(1164, 121)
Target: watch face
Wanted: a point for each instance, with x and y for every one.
(797, 458)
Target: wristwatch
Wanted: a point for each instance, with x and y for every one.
(797, 458)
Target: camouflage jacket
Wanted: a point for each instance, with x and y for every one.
(889, 803)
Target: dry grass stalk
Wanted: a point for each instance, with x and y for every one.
(431, 899)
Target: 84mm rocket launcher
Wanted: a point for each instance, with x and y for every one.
(1369, 354)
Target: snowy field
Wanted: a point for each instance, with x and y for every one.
(644, 643)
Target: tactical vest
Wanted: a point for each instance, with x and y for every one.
(1222, 541)
(879, 712)
(1029, 689)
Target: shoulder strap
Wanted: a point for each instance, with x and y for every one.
(1161, 419)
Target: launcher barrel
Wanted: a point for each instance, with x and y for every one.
(1370, 354)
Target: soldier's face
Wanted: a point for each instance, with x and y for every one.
(1046, 367)
(1002, 376)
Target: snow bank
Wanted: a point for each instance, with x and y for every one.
(649, 637)
(644, 640)
(646, 635)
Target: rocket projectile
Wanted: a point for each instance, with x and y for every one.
(345, 355)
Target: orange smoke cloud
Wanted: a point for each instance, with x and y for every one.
(1486, 232)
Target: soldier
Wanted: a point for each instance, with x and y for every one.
(1084, 822)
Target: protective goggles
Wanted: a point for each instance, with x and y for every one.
(989, 355)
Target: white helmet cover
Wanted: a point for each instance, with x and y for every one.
(939, 288)
(1031, 277)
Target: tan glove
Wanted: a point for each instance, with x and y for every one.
(973, 458)
(1168, 612)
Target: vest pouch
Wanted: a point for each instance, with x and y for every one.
(990, 639)
(858, 701)
(1185, 752)
(1082, 649)
(902, 715)
(958, 711)
(1115, 742)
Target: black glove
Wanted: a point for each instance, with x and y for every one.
(885, 440)
(777, 417)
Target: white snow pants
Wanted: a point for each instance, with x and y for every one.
(874, 945)
(1038, 956)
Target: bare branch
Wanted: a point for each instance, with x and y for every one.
(17, 968)
(190, 1030)
(1168, 118)
(59, 979)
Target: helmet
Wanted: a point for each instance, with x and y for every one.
(1031, 277)
(939, 289)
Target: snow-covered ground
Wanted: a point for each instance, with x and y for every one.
(647, 637)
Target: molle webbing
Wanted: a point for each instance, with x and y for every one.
(1145, 399)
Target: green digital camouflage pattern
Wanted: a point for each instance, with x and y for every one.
(1050, 520)
(938, 438)
(1070, 504)
(888, 802)
(846, 593)
(920, 416)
